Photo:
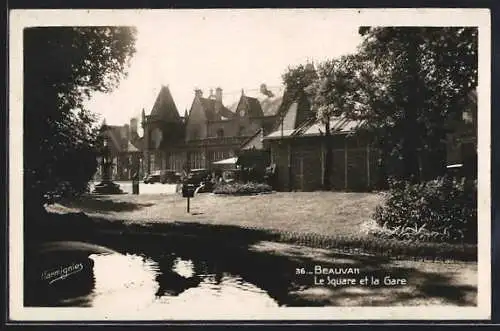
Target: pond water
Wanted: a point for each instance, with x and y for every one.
(174, 282)
(153, 276)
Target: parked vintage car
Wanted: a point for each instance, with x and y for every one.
(153, 177)
(170, 177)
(197, 176)
(201, 179)
(163, 176)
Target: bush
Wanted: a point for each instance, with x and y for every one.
(443, 209)
(236, 188)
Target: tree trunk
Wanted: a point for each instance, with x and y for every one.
(412, 107)
(382, 182)
(327, 185)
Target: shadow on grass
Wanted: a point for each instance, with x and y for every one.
(102, 204)
(222, 250)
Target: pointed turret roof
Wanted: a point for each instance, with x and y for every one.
(164, 107)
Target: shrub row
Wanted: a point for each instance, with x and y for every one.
(236, 188)
(443, 209)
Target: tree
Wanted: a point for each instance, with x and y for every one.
(430, 73)
(405, 85)
(62, 67)
(331, 93)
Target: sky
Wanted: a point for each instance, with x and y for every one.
(220, 48)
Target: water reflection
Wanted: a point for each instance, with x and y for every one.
(121, 282)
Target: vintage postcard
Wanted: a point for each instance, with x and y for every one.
(244, 164)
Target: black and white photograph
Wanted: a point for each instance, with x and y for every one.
(249, 164)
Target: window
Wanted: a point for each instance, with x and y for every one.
(241, 130)
(219, 155)
(220, 133)
(197, 160)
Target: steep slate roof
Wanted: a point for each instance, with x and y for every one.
(115, 140)
(138, 143)
(298, 112)
(254, 108)
(225, 113)
(269, 104)
(212, 112)
(164, 107)
(290, 119)
(313, 127)
(209, 108)
(119, 143)
(131, 148)
(338, 125)
(255, 141)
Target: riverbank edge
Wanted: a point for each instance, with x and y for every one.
(64, 226)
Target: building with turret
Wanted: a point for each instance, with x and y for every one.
(210, 131)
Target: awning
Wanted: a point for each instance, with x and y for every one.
(231, 160)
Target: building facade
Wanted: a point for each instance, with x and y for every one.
(299, 153)
(210, 131)
(266, 126)
(125, 146)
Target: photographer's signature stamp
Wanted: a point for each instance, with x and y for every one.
(63, 272)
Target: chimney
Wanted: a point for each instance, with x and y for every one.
(133, 127)
(143, 115)
(125, 135)
(212, 96)
(218, 102)
(198, 93)
(218, 94)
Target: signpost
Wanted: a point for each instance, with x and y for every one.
(188, 192)
(135, 183)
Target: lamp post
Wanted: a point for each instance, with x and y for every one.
(106, 162)
(106, 186)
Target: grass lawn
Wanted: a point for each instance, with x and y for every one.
(316, 219)
(325, 213)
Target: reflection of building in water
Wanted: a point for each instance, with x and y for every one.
(175, 276)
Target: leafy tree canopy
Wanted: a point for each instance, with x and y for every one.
(296, 80)
(62, 67)
(405, 83)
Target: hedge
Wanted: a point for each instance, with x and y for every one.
(236, 188)
(444, 209)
